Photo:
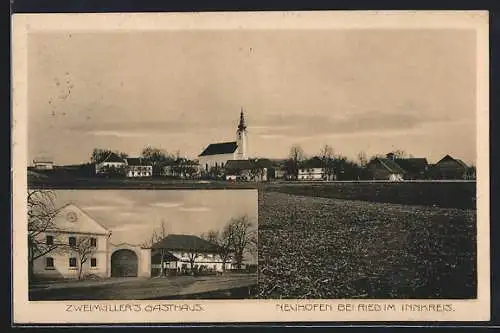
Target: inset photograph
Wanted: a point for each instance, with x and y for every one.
(142, 244)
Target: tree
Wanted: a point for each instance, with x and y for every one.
(327, 156)
(256, 173)
(193, 254)
(154, 243)
(41, 218)
(84, 249)
(184, 168)
(242, 237)
(397, 153)
(295, 157)
(157, 158)
(224, 242)
(363, 159)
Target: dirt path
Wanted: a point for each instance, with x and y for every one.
(134, 289)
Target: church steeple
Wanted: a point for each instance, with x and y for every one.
(241, 138)
(242, 126)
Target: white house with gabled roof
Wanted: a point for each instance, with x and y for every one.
(71, 227)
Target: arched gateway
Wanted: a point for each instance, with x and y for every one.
(124, 263)
(128, 260)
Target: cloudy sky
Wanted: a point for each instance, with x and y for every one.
(133, 215)
(356, 90)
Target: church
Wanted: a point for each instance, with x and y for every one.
(216, 155)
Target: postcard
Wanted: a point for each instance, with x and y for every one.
(246, 167)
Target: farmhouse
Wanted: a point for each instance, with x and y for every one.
(110, 164)
(250, 170)
(385, 169)
(450, 168)
(216, 155)
(415, 168)
(136, 167)
(185, 251)
(311, 169)
(43, 165)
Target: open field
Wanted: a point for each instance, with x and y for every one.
(315, 247)
(176, 287)
(445, 194)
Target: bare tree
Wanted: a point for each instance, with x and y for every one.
(211, 236)
(224, 242)
(295, 157)
(327, 156)
(157, 158)
(84, 249)
(192, 255)
(397, 153)
(256, 173)
(362, 158)
(41, 218)
(242, 237)
(154, 244)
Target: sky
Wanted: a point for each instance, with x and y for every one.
(133, 216)
(355, 90)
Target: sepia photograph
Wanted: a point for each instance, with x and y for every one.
(114, 245)
(368, 188)
(281, 159)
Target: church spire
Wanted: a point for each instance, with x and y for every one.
(242, 125)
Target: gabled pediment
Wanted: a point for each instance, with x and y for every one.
(72, 218)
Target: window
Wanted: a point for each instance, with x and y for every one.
(72, 262)
(49, 262)
(93, 262)
(93, 242)
(72, 241)
(50, 240)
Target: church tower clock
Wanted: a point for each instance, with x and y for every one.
(241, 139)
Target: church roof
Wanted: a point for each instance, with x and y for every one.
(220, 148)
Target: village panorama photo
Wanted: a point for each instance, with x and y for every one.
(124, 244)
(357, 145)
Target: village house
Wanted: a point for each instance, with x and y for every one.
(249, 170)
(73, 229)
(43, 165)
(312, 169)
(180, 251)
(216, 155)
(136, 167)
(112, 163)
(415, 168)
(451, 168)
(381, 168)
